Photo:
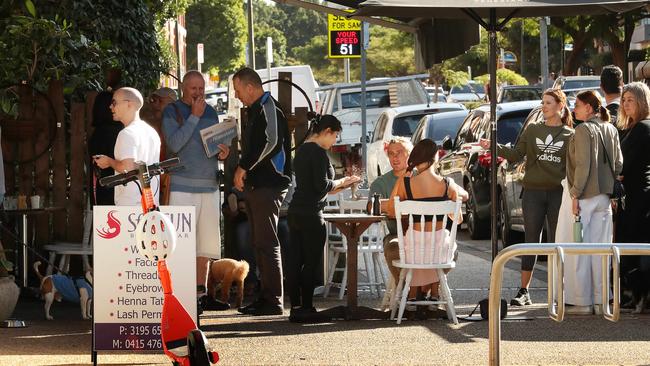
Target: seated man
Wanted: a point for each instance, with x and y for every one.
(398, 151)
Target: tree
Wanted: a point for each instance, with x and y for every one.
(221, 26)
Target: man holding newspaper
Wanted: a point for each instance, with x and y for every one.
(196, 184)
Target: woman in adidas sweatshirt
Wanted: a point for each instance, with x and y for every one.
(544, 146)
(594, 159)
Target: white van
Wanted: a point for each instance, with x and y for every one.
(302, 76)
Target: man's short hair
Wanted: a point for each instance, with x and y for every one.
(406, 143)
(248, 76)
(131, 94)
(611, 79)
(192, 74)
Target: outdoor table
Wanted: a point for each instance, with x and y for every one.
(352, 226)
(24, 214)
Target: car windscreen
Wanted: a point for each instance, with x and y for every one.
(508, 128)
(405, 125)
(439, 128)
(460, 89)
(581, 84)
(478, 88)
(517, 95)
(374, 99)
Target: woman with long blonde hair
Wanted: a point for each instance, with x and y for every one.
(633, 222)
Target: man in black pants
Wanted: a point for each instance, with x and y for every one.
(264, 174)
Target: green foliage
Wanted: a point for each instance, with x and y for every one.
(391, 53)
(76, 40)
(221, 26)
(455, 78)
(37, 50)
(503, 76)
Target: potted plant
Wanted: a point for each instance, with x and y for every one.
(9, 291)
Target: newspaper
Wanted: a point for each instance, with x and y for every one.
(220, 133)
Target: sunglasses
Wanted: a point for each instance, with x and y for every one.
(115, 102)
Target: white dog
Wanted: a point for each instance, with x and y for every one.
(59, 287)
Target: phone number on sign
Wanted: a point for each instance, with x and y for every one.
(137, 344)
(140, 330)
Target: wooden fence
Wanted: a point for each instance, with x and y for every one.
(45, 153)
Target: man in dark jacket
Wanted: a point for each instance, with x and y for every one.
(264, 174)
(611, 83)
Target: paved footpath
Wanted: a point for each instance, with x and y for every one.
(244, 340)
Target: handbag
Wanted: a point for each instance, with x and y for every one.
(485, 310)
(618, 191)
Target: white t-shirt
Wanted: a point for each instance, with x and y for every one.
(140, 142)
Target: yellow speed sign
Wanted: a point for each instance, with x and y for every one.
(344, 37)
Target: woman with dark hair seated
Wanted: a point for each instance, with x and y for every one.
(427, 185)
(314, 180)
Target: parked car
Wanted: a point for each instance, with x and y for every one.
(469, 164)
(344, 100)
(518, 93)
(217, 98)
(469, 92)
(576, 82)
(440, 98)
(400, 121)
(509, 177)
(439, 127)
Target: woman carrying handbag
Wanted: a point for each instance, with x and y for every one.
(594, 160)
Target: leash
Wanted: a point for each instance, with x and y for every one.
(33, 251)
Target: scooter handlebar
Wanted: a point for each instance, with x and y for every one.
(132, 175)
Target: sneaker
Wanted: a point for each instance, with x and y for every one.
(522, 298)
(308, 315)
(260, 308)
(208, 303)
(411, 307)
(246, 309)
(578, 309)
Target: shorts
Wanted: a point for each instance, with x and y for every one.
(208, 236)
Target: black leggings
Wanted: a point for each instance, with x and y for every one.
(539, 206)
(307, 240)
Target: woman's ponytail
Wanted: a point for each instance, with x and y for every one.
(604, 114)
(567, 118)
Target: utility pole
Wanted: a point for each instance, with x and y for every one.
(251, 37)
(521, 53)
(543, 49)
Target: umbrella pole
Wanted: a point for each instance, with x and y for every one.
(492, 69)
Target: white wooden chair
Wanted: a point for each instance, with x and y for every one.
(433, 252)
(66, 249)
(370, 248)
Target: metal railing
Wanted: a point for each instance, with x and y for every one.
(556, 253)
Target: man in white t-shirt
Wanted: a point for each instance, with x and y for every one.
(137, 142)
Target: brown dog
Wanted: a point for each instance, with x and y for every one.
(227, 271)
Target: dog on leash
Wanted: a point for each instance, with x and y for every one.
(60, 287)
(227, 272)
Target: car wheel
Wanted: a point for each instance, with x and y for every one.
(478, 229)
(508, 236)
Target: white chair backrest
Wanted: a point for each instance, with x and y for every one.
(437, 252)
(349, 206)
(332, 202)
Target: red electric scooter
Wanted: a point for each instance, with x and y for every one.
(182, 341)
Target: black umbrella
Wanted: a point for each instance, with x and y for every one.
(486, 13)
